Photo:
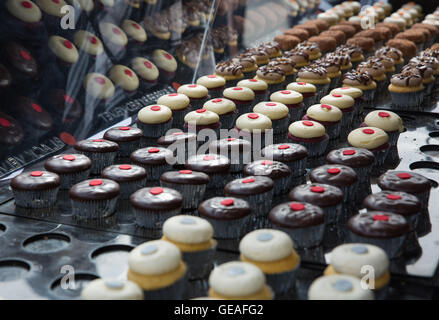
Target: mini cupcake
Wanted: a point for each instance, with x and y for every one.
(191, 185)
(52, 13)
(300, 57)
(355, 53)
(293, 155)
(406, 90)
(327, 115)
(278, 114)
(352, 258)
(128, 139)
(179, 104)
(338, 287)
(71, 168)
(292, 99)
(152, 206)
(425, 71)
(327, 197)
(201, 119)
(261, 56)
(21, 17)
(431, 62)
(382, 229)
(311, 48)
(407, 181)
(35, 189)
(346, 104)
(158, 269)
(259, 88)
(307, 90)
(342, 59)
(125, 80)
(311, 135)
(94, 199)
(114, 38)
(166, 64)
(21, 64)
(230, 71)
(90, 45)
(273, 76)
(129, 177)
(214, 84)
(318, 76)
(154, 120)
(197, 94)
(146, 71)
(256, 128)
(303, 222)
(101, 152)
(388, 121)
(366, 44)
(272, 251)
(356, 94)
(215, 165)
(237, 150)
(404, 204)
(238, 281)
(106, 289)
(225, 109)
(243, 97)
(363, 81)
(136, 36)
(98, 91)
(377, 71)
(258, 191)
(332, 67)
(63, 52)
(248, 63)
(230, 217)
(154, 160)
(279, 172)
(272, 48)
(181, 144)
(287, 66)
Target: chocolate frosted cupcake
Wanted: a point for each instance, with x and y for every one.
(307, 90)
(311, 135)
(128, 139)
(355, 53)
(303, 222)
(11, 133)
(394, 54)
(327, 197)
(71, 168)
(20, 63)
(406, 90)
(28, 111)
(243, 97)
(300, 57)
(292, 99)
(279, 172)
(191, 185)
(346, 104)
(215, 165)
(129, 177)
(198, 94)
(272, 75)
(225, 109)
(152, 206)
(94, 199)
(214, 84)
(179, 104)
(377, 72)
(101, 152)
(287, 66)
(154, 120)
(237, 150)
(327, 115)
(258, 191)
(154, 160)
(259, 88)
(363, 81)
(287, 41)
(318, 76)
(35, 189)
(248, 63)
(311, 48)
(180, 143)
(293, 155)
(382, 229)
(231, 71)
(230, 217)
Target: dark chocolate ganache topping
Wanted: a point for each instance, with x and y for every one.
(157, 199)
(123, 134)
(296, 215)
(378, 224)
(68, 163)
(124, 173)
(334, 174)
(11, 132)
(273, 169)
(208, 163)
(224, 208)
(94, 189)
(229, 145)
(35, 180)
(176, 137)
(152, 156)
(249, 186)
(96, 145)
(285, 152)
(184, 177)
(402, 203)
(322, 195)
(352, 157)
(405, 181)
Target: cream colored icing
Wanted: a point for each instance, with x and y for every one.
(175, 101)
(29, 13)
(220, 106)
(273, 110)
(88, 42)
(164, 60)
(51, 8)
(201, 117)
(324, 112)
(154, 114)
(196, 91)
(145, 68)
(97, 85)
(113, 33)
(124, 77)
(134, 30)
(287, 97)
(300, 130)
(106, 289)
(253, 84)
(349, 91)
(253, 121)
(301, 87)
(341, 101)
(211, 81)
(325, 288)
(63, 49)
(383, 119)
(239, 93)
(358, 138)
(187, 229)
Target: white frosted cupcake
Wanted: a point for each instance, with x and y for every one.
(166, 64)
(388, 121)
(238, 281)
(125, 80)
(356, 94)
(115, 38)
(146, 71)
(272, 251)
(201, 119)
(214, 84)
(225, 109)
(243, 97)
(197, 93)
(106, 289)
(154, 120)
(179, 104)
(98, 90)
(327, 115)
(307, 90)
(347, 106)
(311, 134)
(338, 287)
(278, 114)
(255, 127)
(259, 88)
(292, 99)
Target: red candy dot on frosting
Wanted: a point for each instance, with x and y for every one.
(177, 133)
(136, 26)
(99, 80)
(270, 104)
(383, 114)
(227, 202)
(348, 152)
(24, 55)
(325, 106)
(36, 107)
(124, 128)
(155, 108)
(148, 64)
(336, 95)
(266, 162)
(36, 173)
(128, 72)
(5, 123)
(153, 150)
(283, 147)
(368, 131)
(297, 206)
(253, 116)
(317, 189)
(200, 110)
(333, 170)
(211, 76)
(98, 140)
(249, 180)
(125, 167)
(285, 92)
(172, 94)
(301, 83)
(67, 98)
(380, 217)
(253, 80)
(67, 44)
(192, 86)
(94, 183)
(230, 139)
(208, 158)
(92, 40)
(307, 123)
(217, 100)
(393, 196)
(185, 171)
(345, 88)
(26, 4)
(155, 191)
(116, 31)
(69, 157)
(55, 1)
(237, 88)
(404, 175)
(167, 56)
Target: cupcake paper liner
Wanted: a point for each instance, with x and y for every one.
(35, 199)
(215, 93)
(230, 229)
(199, 263)
(129, 187)
(282, 283)
(198, 103)
(391, 246)
(298, 168)
(100, 160)
(346, 122)
(333, 214)
(150, 219)
(409, 101)
(174, 291)
(393, 137)
(309, 101)
(321, 91)
(315, 149)
(261, 204)
(280, 126)
(126, 147)
(178, 117)
(282, 185)
(192, 194)
(260, 97)
(154, 172)
(368, 96)
(70, 179)
(218, 180)
(380, 158)
(93, 209)
(335, 83)
(155, 130)
(428, 88)
(305, 237)
(296, 113)
(363, 188)
(228, 120)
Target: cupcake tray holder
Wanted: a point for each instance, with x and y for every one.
(40, 247)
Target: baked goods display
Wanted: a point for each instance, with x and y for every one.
(272, 149)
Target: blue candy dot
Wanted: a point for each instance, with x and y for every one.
(359, 249)
(342, 285)
(235, 271)
(264, 236)
(148, 249)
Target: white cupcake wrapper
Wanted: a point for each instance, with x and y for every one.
(391, 246)
(192, 193)
(35, 199)
(100, 160)
(93, 209)
(70, 179)
(151, 219)
(199, 263)
(174, 291)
